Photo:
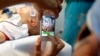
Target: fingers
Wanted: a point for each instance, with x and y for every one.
(53, 46)
(56, 46)
(54, 9)
(55, 12)
(39, 15)
(59, 7)
(37, 49)
(60, 44)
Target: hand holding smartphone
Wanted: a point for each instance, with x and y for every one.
(47, 28)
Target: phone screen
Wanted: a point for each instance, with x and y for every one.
(48, 26)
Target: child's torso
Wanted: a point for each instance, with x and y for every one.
(13, 28)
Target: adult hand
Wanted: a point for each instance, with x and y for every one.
(54, 49)
(51, 5)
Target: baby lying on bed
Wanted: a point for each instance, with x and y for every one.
(18, 26)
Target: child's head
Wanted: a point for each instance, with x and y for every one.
(31, 17)
(32, 21)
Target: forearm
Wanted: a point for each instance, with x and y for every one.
(88, 47)
(92, 38)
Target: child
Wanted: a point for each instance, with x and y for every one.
(19, 25)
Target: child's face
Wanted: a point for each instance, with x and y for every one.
(34, 30)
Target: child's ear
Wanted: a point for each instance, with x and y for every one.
(32, 22)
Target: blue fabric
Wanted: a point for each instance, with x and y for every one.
(75, 16)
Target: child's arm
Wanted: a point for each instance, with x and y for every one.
(2, 37)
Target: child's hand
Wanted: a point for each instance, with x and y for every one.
(55, 48)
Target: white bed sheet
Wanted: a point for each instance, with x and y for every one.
(25, 46)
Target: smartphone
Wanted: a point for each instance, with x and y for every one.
(47, 26)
